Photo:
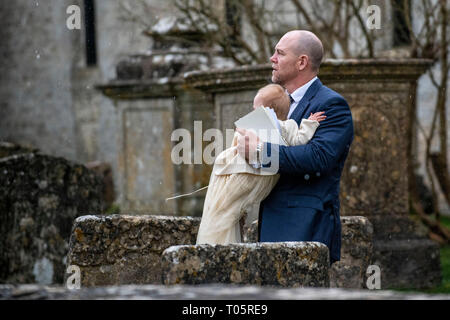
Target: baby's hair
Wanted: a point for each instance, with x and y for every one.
(275, 97)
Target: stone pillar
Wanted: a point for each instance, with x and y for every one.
(374, 182)
(148, 112)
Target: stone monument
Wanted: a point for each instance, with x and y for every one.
(40, 196)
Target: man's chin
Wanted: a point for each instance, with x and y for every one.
(274, 79)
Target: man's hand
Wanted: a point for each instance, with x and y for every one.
(247, 142)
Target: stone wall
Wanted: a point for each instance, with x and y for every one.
(120, 249)
(40, 196)
(126, 249)
(38, 53)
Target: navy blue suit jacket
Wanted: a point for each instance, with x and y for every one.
(304, 205)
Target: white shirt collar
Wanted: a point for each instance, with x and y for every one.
(298, 94)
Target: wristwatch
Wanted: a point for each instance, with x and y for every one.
(259, 149)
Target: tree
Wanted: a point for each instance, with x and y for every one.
(431, 40)
(254, 27)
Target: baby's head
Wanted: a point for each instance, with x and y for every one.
(273, 96)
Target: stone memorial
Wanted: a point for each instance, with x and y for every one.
(40, 196)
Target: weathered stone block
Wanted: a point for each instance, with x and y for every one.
(405, 255)
(9, 149)
(286, 264)
(356, 251)
(120, 249)
(105, 172)
(409, 263)
(40, 196)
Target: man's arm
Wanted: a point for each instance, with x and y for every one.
(321, 154)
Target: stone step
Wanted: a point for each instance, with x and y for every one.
(286, 264)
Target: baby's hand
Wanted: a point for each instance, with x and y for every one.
(318, 116)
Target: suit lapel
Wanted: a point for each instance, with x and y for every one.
(303, 105)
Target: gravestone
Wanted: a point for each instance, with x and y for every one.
(40, 196)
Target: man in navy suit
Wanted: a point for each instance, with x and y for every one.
(304, 205)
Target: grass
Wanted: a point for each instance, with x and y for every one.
(113, 209)
(445, 221)
(445, 264)
(445, 268)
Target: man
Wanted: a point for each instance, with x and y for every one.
(304, 205)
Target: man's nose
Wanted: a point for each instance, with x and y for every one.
(273, 59)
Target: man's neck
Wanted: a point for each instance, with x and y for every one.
(298, 82)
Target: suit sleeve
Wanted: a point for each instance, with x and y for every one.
(324, 150)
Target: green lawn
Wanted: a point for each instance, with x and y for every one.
(445, 221)
(445, 265)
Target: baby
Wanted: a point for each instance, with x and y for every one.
(235, 185)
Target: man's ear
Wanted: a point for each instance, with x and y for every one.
(302, 62)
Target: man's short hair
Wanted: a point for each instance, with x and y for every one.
(275, 97)
(310, 45)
